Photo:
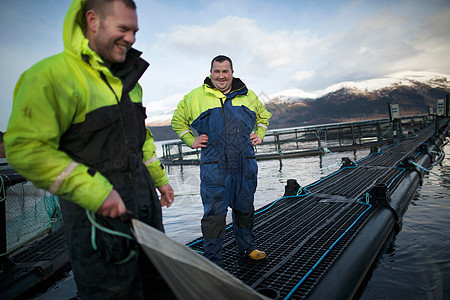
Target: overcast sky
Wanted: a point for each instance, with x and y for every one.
(275, 45)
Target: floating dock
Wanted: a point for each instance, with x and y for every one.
(320, 239)
(321, 243)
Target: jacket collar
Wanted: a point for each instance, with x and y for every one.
(237, 87)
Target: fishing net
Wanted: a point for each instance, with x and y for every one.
(29, 211)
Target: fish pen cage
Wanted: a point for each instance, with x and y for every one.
(313, 140)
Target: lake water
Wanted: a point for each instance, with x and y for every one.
(415, 264)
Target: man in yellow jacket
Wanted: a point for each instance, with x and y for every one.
(230, 120)
(77, 129)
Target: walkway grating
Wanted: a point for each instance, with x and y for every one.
(304, 235)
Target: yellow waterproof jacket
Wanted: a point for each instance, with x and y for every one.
(56, 95)
(205, 98)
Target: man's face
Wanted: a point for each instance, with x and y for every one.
(222, 76)
(116, 33)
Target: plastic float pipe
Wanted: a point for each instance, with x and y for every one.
(344, 278)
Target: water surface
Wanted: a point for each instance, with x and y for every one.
(415, 264)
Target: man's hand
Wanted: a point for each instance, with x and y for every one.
(255, 139)
(167, 195)
(200, 141)
(113, 205)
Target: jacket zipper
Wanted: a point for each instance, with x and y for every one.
(103, 76)
(225, 128)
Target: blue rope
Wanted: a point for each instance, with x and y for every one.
(332, 246)
(381, 151)
(333, 174)
(195, 243)
(429, 171)
(391, 145)
(393, 180)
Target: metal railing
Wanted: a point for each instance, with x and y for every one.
(315, 137)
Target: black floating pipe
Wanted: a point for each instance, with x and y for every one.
(380, 197)
(348, 272)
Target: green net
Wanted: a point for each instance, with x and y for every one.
(29, 212)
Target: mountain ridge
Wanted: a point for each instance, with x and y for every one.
(405, 78)
(414, 92)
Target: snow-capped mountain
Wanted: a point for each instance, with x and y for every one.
(406, 79)
(414, 92)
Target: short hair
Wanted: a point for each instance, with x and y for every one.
(221, 58)
(100, 7)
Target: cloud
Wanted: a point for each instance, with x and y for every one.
(371, 44)
(382, 42)
(242, 37)
(302, 75)
(432, 41)
(265, 58)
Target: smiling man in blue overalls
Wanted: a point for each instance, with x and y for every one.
(230, 120)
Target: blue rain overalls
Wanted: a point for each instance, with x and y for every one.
(228, 173)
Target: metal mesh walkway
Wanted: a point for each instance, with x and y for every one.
(41, 259)
(304, 235)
